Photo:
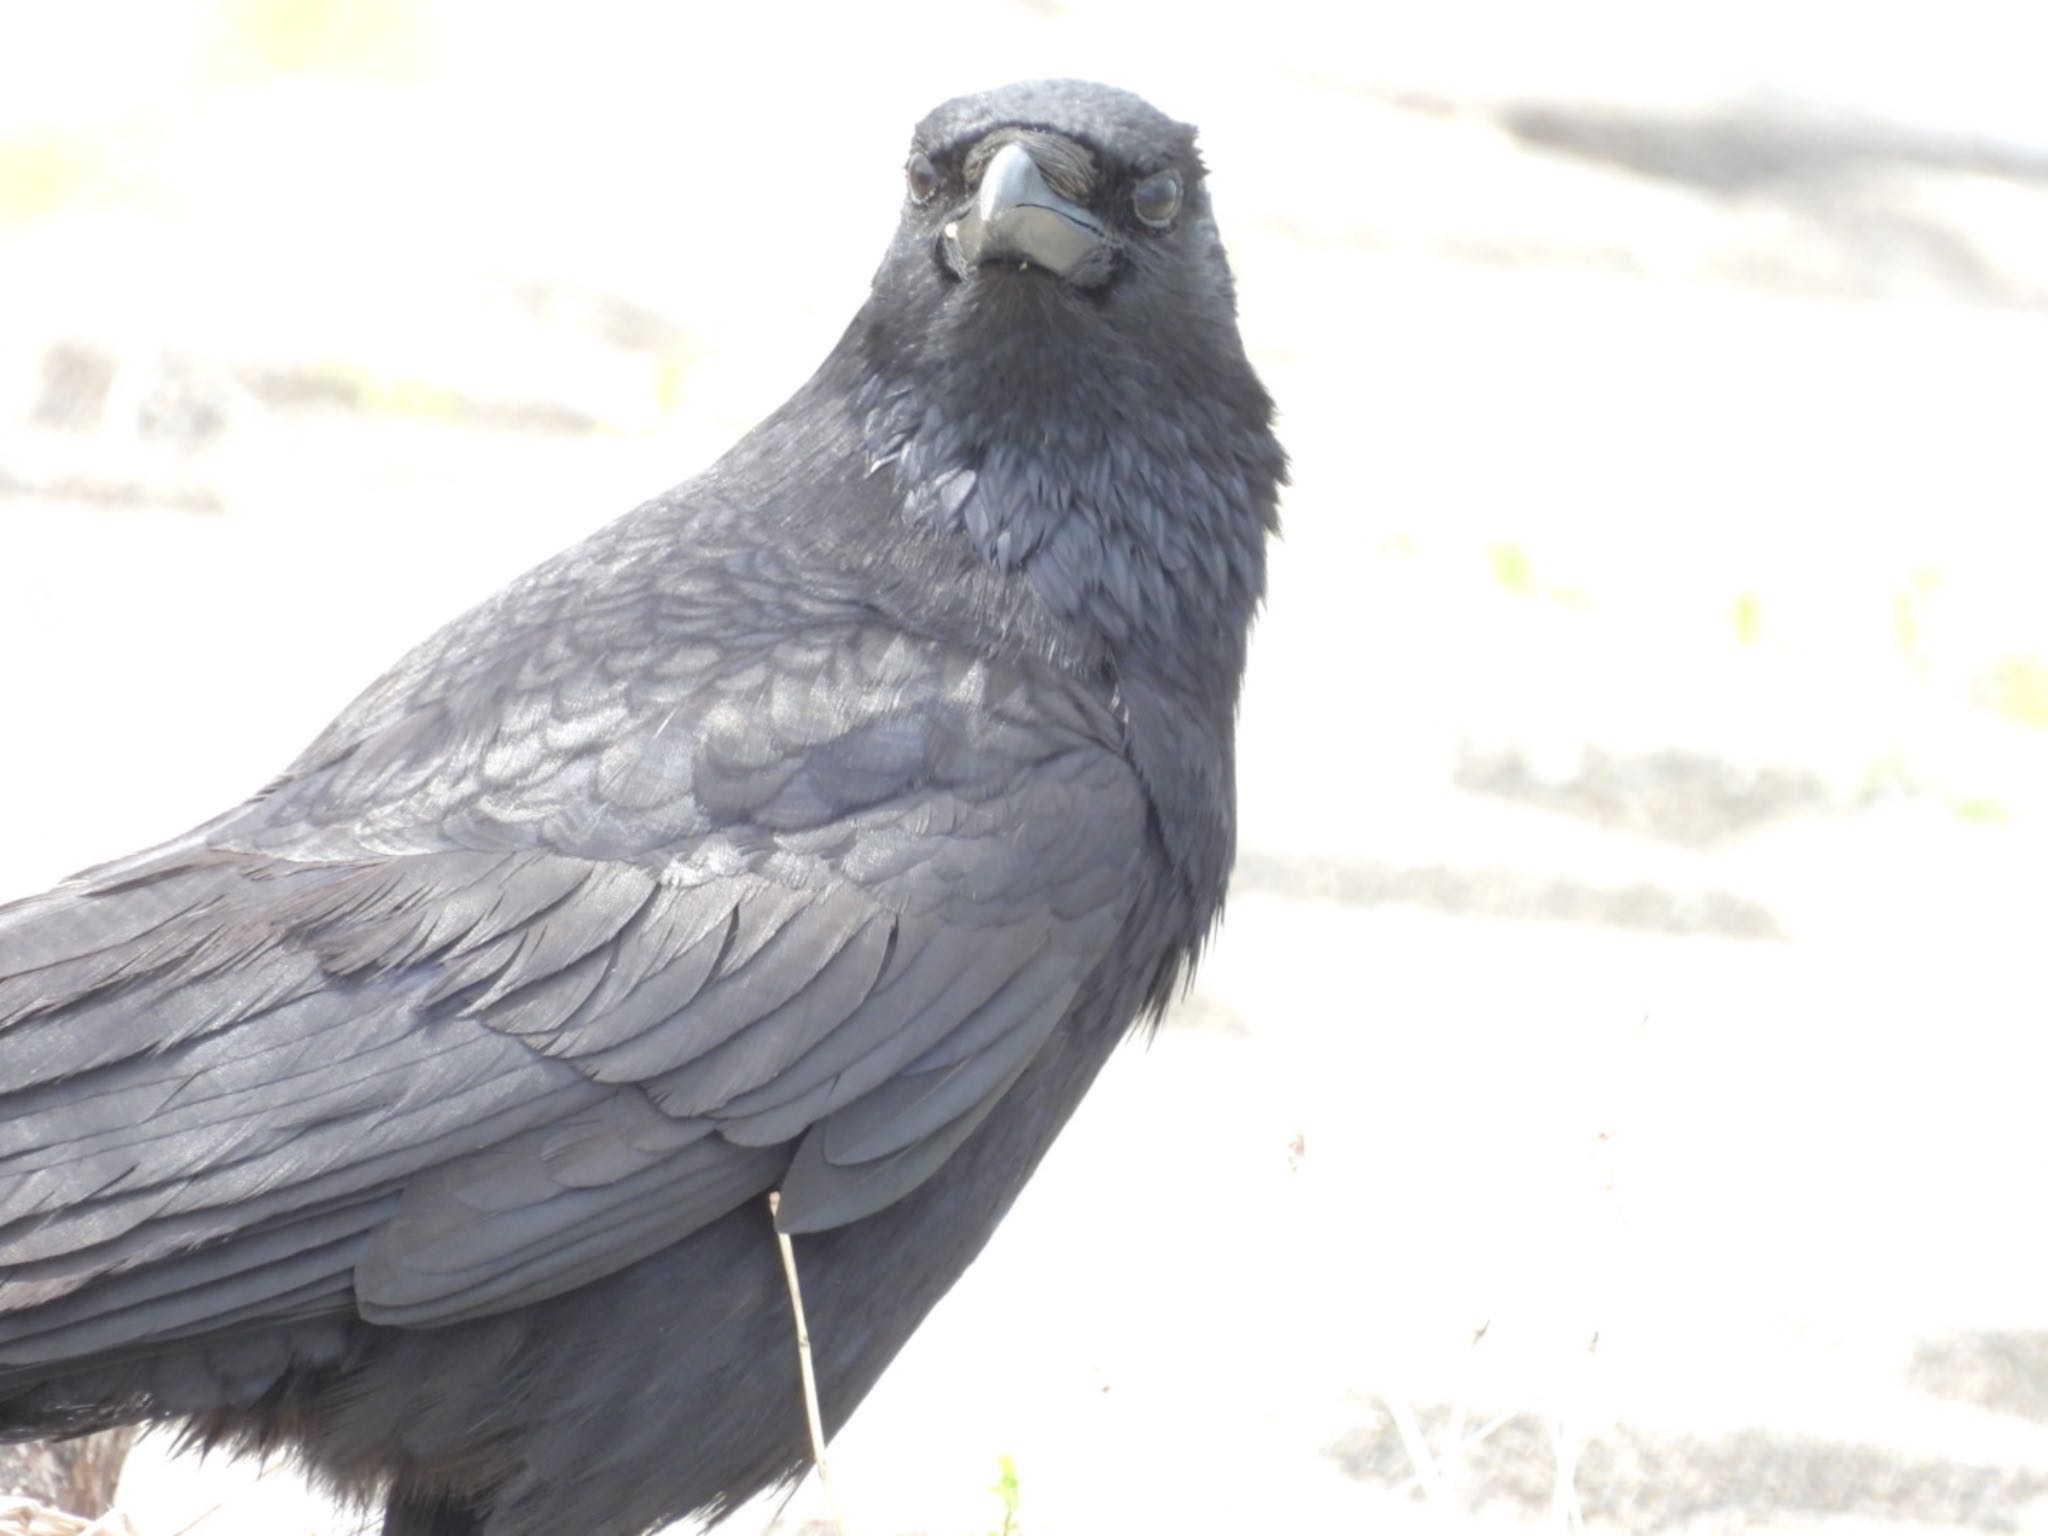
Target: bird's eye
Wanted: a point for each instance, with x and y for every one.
(922, 177)
(1157, 198)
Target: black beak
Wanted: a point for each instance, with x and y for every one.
(1017, 217)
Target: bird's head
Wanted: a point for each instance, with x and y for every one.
(1053, 179)
(1048, 376)
(1051, 209)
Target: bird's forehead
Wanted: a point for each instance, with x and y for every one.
(1105, 119)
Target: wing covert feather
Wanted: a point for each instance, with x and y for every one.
(510, 990)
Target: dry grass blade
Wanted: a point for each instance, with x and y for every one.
(1427, 1475)
(812, 1417)
(30, 1517)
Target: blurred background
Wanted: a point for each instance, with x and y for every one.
(1615, 1098)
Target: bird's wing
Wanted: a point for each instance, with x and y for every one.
(470, 1015)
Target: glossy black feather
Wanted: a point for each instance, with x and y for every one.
(818, 826)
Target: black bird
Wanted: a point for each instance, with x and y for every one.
(819, 826)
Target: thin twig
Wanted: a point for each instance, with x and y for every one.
(197, 1520)
(1463, 1448)
(23, 1516)
(1426, 1475)
(812, 1416)
(1564, 1499)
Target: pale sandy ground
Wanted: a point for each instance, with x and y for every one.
(1636, 953)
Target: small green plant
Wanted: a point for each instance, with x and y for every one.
(2017, 687)
(259, 39)
(1005, 1488)
(45, 171)
(1511, 567)
(1909, 615)
(1889, 775)
(1516, 573)
(1746, 613)
(1982, 810)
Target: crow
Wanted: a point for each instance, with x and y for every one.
(816, 828)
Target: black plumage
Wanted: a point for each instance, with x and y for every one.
(818, 826)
